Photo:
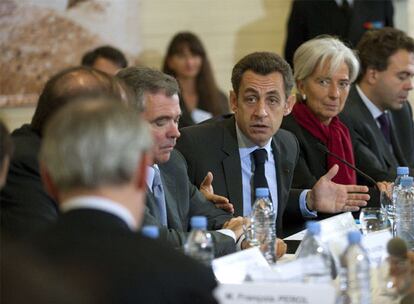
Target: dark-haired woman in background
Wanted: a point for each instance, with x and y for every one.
(187, 61)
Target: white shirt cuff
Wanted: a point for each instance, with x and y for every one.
(303, 208)
(228, 232)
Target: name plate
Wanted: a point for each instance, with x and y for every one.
(233, 268)
(375, 243)
(281, 293)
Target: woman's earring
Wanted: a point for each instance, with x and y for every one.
(303, 97)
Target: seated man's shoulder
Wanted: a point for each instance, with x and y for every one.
(175, 167)
(208, 127)
(289, 123)
(285, 136)
(405, 113)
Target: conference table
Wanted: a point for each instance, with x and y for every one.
(244, 278)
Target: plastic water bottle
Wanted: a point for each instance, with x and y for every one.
(404, 208)
(150, 231)
(401, 172)
(200, 245)
(356, 264)
(318, 266)
(263, 224)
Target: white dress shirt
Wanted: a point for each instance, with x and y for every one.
(245, 149)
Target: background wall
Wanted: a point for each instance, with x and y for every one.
(229, 29)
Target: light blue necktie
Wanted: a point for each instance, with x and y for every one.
(159, 195)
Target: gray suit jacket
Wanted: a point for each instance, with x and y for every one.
(372, 154)
(213, 146)
(183, 201)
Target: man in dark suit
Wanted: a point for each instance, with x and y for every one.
(348, 19)
(262, 83)
(377, 111)
(25, 205)
(93, 160)
(171, 199)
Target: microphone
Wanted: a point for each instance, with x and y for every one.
(324, 149)
(396, 247)
(399, 269)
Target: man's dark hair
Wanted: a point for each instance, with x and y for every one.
(377, 46)
(143, 80)
(107, 52)
(6, 144)
(74, 83)
(262, 63)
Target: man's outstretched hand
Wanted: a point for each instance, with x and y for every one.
(329, 197)
(221, 202)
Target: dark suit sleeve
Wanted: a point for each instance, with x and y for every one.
(303, 176)
(171, 236)
(296, 30)
(25, 205)
(365, 158)
(189, 201)
(175, 238)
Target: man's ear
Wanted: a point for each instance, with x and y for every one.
(371, 76)
(141, 171)
(233, 101)
(290, 102)
(48, 182)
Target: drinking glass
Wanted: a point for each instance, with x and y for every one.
(389, 208)
(373, 219)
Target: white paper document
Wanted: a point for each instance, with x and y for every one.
(233, 268)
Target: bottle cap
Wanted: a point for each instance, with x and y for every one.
(354, 237)
(407, 181)
(313, 227)
(403, 171)
(262, 192)
(150, 231)
(199, 222)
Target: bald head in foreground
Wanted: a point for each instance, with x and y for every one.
(28, 211)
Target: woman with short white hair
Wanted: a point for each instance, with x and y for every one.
(324, 69)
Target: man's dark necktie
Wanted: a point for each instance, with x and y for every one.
(259, 177)
(385, 127)
(158, 191)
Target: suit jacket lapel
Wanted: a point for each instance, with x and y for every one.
(395, 144)
(368, 119)
(172, 200)
(282, 175)
(231, 166)
(152, 205)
